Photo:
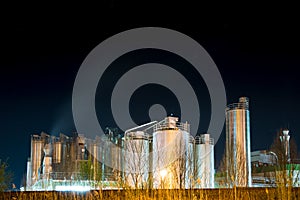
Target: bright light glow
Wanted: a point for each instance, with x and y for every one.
(76, 188)
(163, 173)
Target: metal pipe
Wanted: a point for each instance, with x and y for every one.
(274, 154)
(141, 126)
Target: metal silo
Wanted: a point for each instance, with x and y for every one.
(56, 150)
(116, 157)
(94, 156)
(189, 174)
(238, 143)
(170, 146)
(29, 173)
(136, 159)
(104, 157)
(108, 161)
(47, 161)
(204, 161)
(37, 145)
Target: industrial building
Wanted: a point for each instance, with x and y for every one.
(263, 158)
(167, 156)
(154, 155)
(238, 157)
(60, 162)
(271, 168)
(263, 165)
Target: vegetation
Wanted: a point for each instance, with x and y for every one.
(5, 176)
(234, 193)
(278, 149)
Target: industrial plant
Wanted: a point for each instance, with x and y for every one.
(155, 155)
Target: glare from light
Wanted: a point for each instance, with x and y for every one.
(76, 188)
(163, 173)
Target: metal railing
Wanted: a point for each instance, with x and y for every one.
(166, 125)
(241, 105)
(202, 140)
(77, 175)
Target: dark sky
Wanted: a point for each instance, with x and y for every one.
(257, 54)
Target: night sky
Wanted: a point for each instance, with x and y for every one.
(257, 55)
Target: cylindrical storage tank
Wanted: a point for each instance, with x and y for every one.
(81, 147)
(56, 152)
(29, 173)
(107, 158)
(36, 156)
(95, 154)
(65, 151)
(170, 146)
(189, 176)
(136, 159)
(238, 157)
(71, 148)
(204, 161)
(47, 162)
(103, 156)
(116, 152)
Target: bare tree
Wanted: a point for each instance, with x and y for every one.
(181, 167)
(6, 176)
(232, 168)
(221, 174)
(278, 148)
(285, 169)
(136, 160)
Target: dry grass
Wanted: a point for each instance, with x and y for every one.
(234, 193)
